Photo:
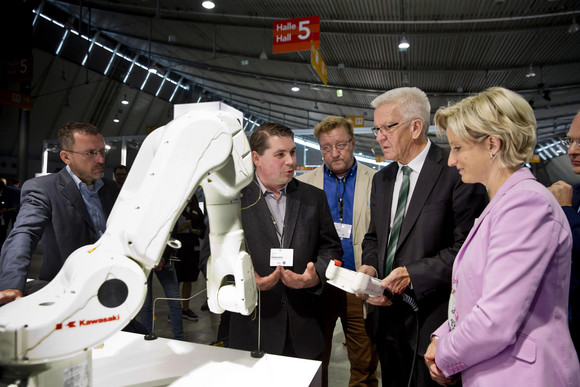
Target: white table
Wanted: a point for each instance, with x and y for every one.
(126, 359)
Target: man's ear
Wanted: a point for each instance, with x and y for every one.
(65, 157)
(417, 129)
(255, 158)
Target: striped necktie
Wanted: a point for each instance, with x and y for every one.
(399, 215)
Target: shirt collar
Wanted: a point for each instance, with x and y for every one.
(350, 172)
(266, 190)
(417, 163)
(98, 182)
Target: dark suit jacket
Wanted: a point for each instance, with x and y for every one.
(309, 230)
(441, 212)
(52, 209)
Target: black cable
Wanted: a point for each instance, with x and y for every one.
(394, 297)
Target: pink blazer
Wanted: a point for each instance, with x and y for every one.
(512, 277)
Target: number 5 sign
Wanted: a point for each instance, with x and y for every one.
(296, 34)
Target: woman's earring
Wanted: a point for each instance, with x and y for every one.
(492, 155)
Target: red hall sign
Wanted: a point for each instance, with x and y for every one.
(296, 34)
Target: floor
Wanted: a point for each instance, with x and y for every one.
(204, 331)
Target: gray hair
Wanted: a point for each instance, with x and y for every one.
(413, 103)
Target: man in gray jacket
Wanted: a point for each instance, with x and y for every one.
(66, 210)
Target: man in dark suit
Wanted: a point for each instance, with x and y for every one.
(67, 210)
(291, 239)
(569, 198)
(421, 213)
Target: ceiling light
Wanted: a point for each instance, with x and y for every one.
(404, 43)
(208, 4)
(531, 72)
(315, 107)
(263, 55)
(116, 119)
(152, 70)
(295, 87)
(125, 101)
(574, 27)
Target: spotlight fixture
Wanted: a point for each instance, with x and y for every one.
(125, 101)
(404, 43)
(116, 119)
(315, 107)
(295, 87)
(531, 72)
(574, 27)
(208, 4)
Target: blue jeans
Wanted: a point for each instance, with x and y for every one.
(168, 280)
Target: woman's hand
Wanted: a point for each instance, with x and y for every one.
(436, 374)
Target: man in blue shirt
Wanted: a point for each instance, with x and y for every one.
(347, 185)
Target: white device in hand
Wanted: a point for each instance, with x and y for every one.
(352, 281)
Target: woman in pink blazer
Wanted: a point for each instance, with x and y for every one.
(507, 323)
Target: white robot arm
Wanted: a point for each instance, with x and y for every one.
(102, 286)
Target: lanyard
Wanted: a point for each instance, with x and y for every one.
(278, 232)
(339, 197)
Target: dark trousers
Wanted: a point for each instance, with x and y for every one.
(362, 353)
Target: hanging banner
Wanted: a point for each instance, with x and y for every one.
(296, 34)
(318, 64)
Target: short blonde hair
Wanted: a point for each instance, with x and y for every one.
(333, 122)
(496, 112)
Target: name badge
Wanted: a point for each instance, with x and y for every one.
(343, 230)
(281, 257)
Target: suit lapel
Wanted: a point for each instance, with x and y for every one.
(293, 200)
(261, 212)
(71, 192)
(427, 179)
(389, 186)
(360, 189)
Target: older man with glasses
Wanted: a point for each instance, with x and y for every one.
(347, 185)
(421, 213)
(569, 198)
(65, 210)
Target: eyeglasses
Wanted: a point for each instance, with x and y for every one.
(388, 129)
(567, 141)
(339, 147)
(90, 154)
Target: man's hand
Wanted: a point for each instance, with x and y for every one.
(562, 191)
(397, 281)
(268, 282)
(301, 281)
(9, 295)
(377, 301)
(368, 270)
(436, 374)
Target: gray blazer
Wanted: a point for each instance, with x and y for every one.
(309, 230)
(52, 209)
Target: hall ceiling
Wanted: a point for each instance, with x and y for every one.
(458, 47)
